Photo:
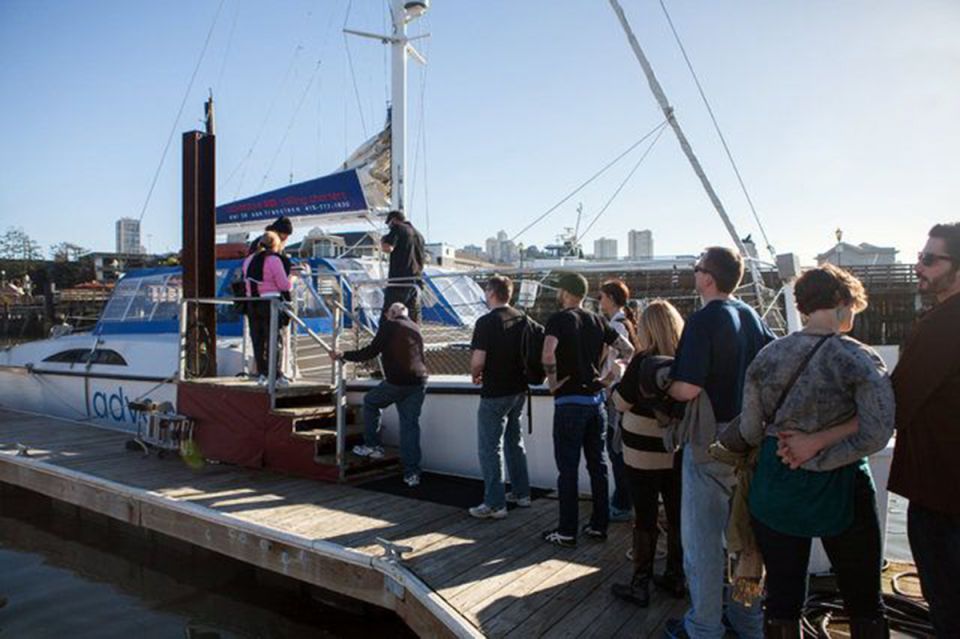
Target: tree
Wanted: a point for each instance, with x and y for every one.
(15, 244)
(66, 252)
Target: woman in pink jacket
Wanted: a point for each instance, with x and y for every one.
(266, 276)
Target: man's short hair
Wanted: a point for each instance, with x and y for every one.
(501, 286)
(950, 234)
(725, 265)
(396, 215)
(574, 284)
(397, 310)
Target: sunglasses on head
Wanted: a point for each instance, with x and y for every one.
(929, 259)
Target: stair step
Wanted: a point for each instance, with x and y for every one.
(295, 412)
(328, 432)
(363, 467)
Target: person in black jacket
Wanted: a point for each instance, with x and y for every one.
(405, 246)
(399, 343)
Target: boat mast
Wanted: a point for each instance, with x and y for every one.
(668, 112)
(402, 12)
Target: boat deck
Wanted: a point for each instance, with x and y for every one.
(463, 577)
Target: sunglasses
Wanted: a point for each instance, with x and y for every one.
(929, 259)
(699, 269)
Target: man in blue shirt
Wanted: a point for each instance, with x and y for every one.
(717, 345)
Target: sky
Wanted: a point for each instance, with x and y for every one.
(839, 115)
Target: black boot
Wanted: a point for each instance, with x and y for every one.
(672, 583)
(861, 628)
(636, 592)
(781, 629)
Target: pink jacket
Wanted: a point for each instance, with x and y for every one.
(275, 278)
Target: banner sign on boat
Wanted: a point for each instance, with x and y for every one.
(331, 195)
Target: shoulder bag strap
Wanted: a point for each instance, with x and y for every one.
(797, 373)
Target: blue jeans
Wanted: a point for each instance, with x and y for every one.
(935, 543)
(576, 427)
(704, 512)
(498, 436)
(409, 400)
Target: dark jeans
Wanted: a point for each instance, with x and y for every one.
(855, 555)
(621, 491)
(646, 488)
(409, 295)
(935, 543)
(259, 316)
(576, 427)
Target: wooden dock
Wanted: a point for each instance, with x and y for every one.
(463, 578)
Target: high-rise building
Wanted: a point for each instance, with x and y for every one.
(128, 236)
(640, 245)
(605, 248)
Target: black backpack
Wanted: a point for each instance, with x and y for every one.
(531, 348)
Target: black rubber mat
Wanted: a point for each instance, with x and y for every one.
(447, 490)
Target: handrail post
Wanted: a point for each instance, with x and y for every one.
(244, 336)
(338, 381)
(181, 342)
(272, 353)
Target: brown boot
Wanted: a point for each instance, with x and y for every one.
(636, 592)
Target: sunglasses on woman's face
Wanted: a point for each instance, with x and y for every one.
(929, 259)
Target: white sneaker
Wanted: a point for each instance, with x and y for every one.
(261, 381)
(373, 452)
(522, 502)
(486, 512)
(283, 382)
(412, 480)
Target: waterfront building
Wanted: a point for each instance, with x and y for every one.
(640, 245)
(605, 248)
(128, 237)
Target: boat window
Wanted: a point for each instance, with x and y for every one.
(82, 356)
(123, 294)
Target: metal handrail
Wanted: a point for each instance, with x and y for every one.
(278, 305)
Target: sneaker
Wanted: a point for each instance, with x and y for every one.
(554, 537)
(412, 481)
(522, 502)
(282, 382)
(674, 629)
(593, 533)
(261, 380)
(486, 512)
(619, 516)
(373, 452)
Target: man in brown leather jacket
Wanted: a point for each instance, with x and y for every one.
(926, 383)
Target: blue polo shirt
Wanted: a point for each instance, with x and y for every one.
(717, 345)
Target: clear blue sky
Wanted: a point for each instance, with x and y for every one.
(839, 114)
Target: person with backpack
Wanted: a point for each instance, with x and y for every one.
(574, 347)
(613, 304)
(497, 364)
(266, 277)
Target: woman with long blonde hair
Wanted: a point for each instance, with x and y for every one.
(651, 471)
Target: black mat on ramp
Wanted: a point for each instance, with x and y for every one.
(447, 490)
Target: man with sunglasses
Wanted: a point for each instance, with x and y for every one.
(926, 384)
(717, 345)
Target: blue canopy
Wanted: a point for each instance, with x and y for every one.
(332, 195)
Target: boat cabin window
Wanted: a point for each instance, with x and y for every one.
(83, 355)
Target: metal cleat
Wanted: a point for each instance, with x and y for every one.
(22, 450)
(392, 552)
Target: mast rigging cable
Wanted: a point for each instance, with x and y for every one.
(603, 170)
(176, 121)
(716, 126)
